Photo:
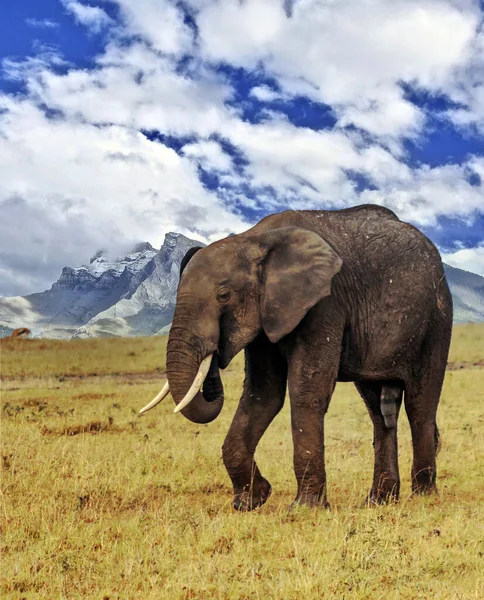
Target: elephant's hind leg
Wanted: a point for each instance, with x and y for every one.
(383, 401)
(422, 395)
(262, 399)
(421, 406)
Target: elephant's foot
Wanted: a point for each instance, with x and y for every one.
(423, 482)
(311, 501)
(385, 492)
(252, 495)
(379, 499)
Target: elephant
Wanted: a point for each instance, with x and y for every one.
(315, 297)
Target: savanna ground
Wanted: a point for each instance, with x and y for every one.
(98, 503)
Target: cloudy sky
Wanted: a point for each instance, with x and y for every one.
(121, 120)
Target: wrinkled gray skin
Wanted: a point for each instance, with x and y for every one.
(316, 297)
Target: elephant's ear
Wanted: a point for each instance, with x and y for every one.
(187, 258)
(297, 268)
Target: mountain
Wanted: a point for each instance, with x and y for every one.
(136, 295)
(468, 294)
(148, 306)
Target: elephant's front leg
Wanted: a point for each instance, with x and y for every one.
(262, 399)
(310, 394)
(308, 437)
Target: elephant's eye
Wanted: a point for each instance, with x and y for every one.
(223, 295)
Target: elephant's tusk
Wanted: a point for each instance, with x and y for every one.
(197, 382)
(157, 399)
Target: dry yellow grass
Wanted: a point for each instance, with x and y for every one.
(98, 503)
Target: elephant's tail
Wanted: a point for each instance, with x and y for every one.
(390, 402)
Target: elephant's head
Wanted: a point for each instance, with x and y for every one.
(229, 292)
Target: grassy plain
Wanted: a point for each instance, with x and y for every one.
(98, 503)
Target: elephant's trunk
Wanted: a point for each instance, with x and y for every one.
(185, 354)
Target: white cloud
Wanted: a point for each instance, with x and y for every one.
(39, 238)
(423, 195)
(264, 93)
(351, 54)
(31, 66)
(383, 117)
(92, 17)
(135, 87)
(468, 88)
(69, 188)
(311, 169)
(42, 23)
(304, 166)
(88, 166)
(17, 310)
(209, 155)
(469, 259)
(159, 22)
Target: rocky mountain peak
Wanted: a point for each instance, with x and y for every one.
(172, 240)
(171, 237)
(142, 247)
(98, 257)
(174, 249)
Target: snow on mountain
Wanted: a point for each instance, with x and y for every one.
(150, 306)
(136, 295)
(133, 295)
(133, 262)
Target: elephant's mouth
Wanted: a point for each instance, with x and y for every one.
(226, 352)
(226, 349)
(222, 357)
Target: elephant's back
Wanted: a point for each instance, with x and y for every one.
(391, 284)
(320, 220)
(393, 275)
(373, 238)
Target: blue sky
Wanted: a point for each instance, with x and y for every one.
(121, 120)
